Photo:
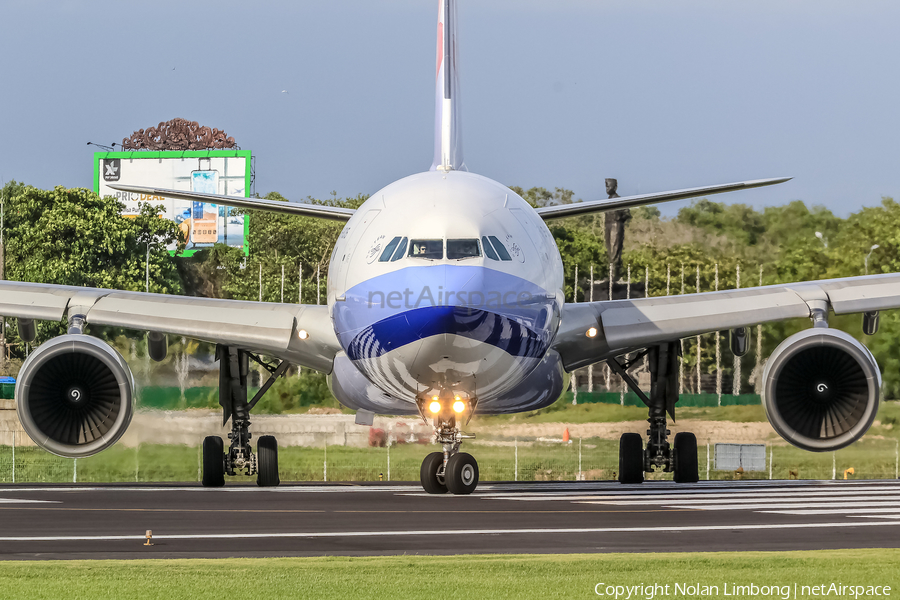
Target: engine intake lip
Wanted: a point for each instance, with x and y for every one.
(821, 389)
(74, 397)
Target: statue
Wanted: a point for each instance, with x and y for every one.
(615, 230)
(178, 134)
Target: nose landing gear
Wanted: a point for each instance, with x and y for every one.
(450, 470)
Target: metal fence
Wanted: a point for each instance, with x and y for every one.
(527, 460)
(521, 459)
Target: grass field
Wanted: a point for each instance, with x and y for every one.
(448, 577)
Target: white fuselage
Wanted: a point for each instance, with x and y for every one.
(424, 299)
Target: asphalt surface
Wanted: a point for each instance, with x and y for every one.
(110, 521)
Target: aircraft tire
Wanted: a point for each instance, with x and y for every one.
(631, 458)
(686, 469)
(213, 462)
(428, 474)
(462, 474)
(267, 462)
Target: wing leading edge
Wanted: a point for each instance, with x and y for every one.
(625, 325)
(333, 213)
(580, 208)
(264, 327)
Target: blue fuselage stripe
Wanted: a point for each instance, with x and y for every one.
(421, 323)
(397, 308)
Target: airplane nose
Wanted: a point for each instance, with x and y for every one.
(457, 306)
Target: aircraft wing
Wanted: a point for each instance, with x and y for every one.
(625, 325)
(264, 327)
(334, 213)
(580, 208)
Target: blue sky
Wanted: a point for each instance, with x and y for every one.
(661, 95)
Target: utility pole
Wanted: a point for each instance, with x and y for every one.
(575, 373)
(736, 384)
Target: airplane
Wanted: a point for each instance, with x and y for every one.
(445, 300)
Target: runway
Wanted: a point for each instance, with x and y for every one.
(109, 521)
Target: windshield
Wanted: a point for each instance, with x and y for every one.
(431, 249)
(501, 249)
(389, 250)
(401, 250)
(457, 249)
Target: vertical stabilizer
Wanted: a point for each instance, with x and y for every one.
(447, 130)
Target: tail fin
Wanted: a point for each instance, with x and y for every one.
(448, 153)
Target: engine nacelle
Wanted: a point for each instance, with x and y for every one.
(821, 389)
(75, 396)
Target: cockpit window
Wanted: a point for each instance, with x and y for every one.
(430, 249)
(457, 249)
(488, 249)
(401, 250)
(500, 248)
(389, 250)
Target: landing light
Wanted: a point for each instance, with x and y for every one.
(303, 334)
(459, 406)
(592, 332)
(435, 407)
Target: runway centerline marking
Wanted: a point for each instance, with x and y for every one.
(446, 532)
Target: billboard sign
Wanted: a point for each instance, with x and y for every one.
(224, 172)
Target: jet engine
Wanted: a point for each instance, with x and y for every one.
(75, 396)
(821, 389)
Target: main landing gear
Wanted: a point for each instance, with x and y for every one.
(234, 367)
(450, 470)
(680, 458)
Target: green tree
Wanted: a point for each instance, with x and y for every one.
(74, 237)
(650, 213)
(276, 241)
(738, 222)
(538, 196)
(578, 246)
(795, 221)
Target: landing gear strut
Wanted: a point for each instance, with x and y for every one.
(234, 367)
(680, 459)
(450, 470)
